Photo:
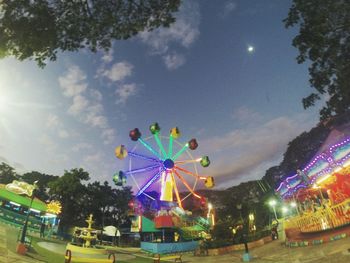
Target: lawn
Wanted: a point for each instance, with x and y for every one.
(44, 255)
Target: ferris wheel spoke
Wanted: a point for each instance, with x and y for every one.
(137, 155)
(184, 148)
(160, 145)
(143, 169)
(189, 161)
(170, 149)
(176, 190)
(149, 147)
(186, 184)
(151, 181)
(189, 173)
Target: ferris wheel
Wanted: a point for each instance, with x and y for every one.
(162, 164)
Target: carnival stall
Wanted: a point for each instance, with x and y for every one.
(17, 200)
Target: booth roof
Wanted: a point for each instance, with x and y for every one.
(22, 199)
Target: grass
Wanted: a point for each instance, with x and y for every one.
(48, 256)
(35, 251)
(43, 255)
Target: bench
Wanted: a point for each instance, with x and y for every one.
(69, 258)
(157, 258)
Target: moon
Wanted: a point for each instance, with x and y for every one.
(250, 49)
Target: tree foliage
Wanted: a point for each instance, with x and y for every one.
(70, 191)
(43, 180)
(39, 29)
(324, 39)
(7, 173)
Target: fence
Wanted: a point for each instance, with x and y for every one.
(323, 218)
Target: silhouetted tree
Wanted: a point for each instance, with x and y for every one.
(7, 173)
(42, 192)
(324, 40)
(71, 192)
(39, 29)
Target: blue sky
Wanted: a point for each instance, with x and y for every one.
(243, 107)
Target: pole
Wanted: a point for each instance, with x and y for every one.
(274, 211)
(24, 231)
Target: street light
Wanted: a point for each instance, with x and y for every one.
(285, 210)
(21, 249)
(273, 203)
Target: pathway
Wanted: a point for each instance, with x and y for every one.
(6, 255)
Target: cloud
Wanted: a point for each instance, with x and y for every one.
(118, 72)
(93, 158)
(174, 60)
(53, 121)
(108, 56)
(108, 136)
(94, 116)
(248, 152)
(95, 94)
(63, 134)
(181, 34)
(124, 92)
(81, 146)
(49, 144)
(87, 104)
(3, 160)
(228, 8)
(244, 114)
(73, 82)
(80, 103)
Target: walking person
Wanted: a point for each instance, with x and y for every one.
(42, 229)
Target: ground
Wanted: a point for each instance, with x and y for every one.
(275, 251)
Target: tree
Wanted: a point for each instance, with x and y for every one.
(324, 39)
(100, 200)
(70, 191)
(119, 212)
(7, 173)
(43, 183)
(39, 29)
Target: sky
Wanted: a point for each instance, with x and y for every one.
(224, 73)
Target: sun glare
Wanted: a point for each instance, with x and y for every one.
(2, 102)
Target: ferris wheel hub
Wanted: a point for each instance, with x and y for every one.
(168, 164)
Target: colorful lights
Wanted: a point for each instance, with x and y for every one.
(149, 147)
(164, 167)
(142, 170)
(320, 168)
(180, 152)
(144, 188)
(323, 178)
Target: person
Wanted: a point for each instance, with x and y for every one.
(42, 229)
(274, 230)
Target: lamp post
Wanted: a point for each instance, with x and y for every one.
(273, 203)
(21, 249)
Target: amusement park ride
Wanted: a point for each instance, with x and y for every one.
(160, 176)
(320, 193)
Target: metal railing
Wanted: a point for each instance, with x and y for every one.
(323, 218)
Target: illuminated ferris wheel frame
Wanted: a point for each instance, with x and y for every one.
(164, 165)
